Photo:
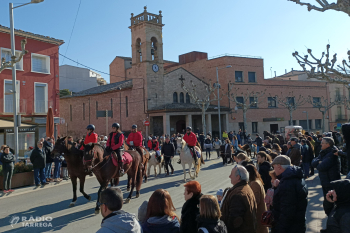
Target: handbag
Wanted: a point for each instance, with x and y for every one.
(267, 219)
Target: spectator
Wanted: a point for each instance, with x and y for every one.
(328, 166)
(295, 153)
(201, 139)
(276, 148)
(238, 206)
(209, 217)
(318, 145)
(168, 151)
(114, 218)
(7, 159)
(270, 191)
(48, 148)
(239, 137)
(264, 161)
(224, 135)
(190, 209)
(220, 195)
(306, 158)
(311, 153)
(289, 148)
(57, 169)
(208, 146)
(244, 135)
(230, 135)
(339, 218)
(64, 169)
(142, 212)
(257, 186)
(235, 143)
(28, 153)
(216, 144)
(290, 197)
(243, 159)
(161, 214)
(174, 141)
(38, 159)
(258, 141)
(227, 155)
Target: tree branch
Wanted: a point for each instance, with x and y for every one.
(9, 64)
(341, 5)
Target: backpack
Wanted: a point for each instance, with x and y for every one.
(203, 229)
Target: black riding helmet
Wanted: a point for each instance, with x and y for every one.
(154, 137)
(116, 125)
(134, 126)
(91, 127)
(189, 127)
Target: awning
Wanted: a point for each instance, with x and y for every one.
(9, 124)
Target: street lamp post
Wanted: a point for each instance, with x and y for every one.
(218, 86)
(14, 88)
(307, 120)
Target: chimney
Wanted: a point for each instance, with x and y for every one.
(286, 70)
(275, 74)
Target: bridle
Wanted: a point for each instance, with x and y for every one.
(92, 160)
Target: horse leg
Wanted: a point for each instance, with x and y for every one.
(97, 209)
(160, 167)
(74, 184)
(133, 181)
(189, 169)
(81, 183)
(138, 183)
(184, 169)
(143, 172)
(128, 184)
(149, 170)
(155, 170)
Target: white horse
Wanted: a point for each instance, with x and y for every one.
(154, 162)
(186, 158)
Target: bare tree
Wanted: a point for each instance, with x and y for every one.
(14, 59)
(325, 68)
(202, 102)
(290, 102)
(245, 104)
(341, 5)
(323, 105)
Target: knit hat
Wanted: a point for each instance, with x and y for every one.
(220, 192)
(282, 160)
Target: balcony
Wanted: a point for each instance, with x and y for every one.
(42, 106)
(6, 106)
(341, 118)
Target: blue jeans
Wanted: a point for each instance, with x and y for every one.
(48, 170)
(56, 172)
(39, 176)
(306, 167)
(257, 149)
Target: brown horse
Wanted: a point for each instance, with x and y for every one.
(146, 157)
(74, 158)
(248, 150)
(101, 164)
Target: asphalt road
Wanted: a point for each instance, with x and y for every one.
(51, 203)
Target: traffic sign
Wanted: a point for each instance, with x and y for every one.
(146, 123)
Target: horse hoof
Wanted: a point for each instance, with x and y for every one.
(137, 195)
(72, 204)
(97, 212)
(89, 198)
(127, 200)
(128, 189)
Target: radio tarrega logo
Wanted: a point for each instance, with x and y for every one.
(14, 220)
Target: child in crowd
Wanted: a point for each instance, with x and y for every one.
(219, 195)
(270, 191)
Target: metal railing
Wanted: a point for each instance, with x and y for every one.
(6, 106)
(339, 118)
(42, 106)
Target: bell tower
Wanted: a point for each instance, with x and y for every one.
(147, 53)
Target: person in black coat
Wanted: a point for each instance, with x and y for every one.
(190, 209)
(264, 161)
(7, 159)
(38, 159)
(290, 197)
(201, 139)
(48, 148)
(328, 166)
(258, 142)
(209, 218)
(306, 158)
(168, 151)
(208, 146)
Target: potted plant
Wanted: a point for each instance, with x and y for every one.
(23, 175)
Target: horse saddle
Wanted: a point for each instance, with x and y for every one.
(126, 158)
(197, 152)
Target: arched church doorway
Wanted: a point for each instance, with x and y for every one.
(180, 126)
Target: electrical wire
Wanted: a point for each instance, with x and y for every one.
(76, 16)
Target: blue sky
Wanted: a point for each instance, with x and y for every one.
(271, 29)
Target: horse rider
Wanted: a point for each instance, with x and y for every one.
(115, 143)
(191, 140)
(154, 145)
(91, 136)
(135, 140)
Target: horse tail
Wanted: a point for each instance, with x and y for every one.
(202, 160)
(139, 178)
(198, 167)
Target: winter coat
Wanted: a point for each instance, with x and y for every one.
(328, 169)
(190, 139)
(290, 202)
(230, 136)
(295, 155)
(305, 153)
(217, 144)
(136, 138)
(212, 225)
(264, 170)
(168, 149)
(115, 141)
(161, 224)
(338, 220)
(239, 209)
(120, 222)
(201, 138)
(344, 162)
(90, 138)
(258, 141)
(317, 147)
(207, 144)
(48, 148)
(38, 158)
(259, 193)
(7, 158)
(189, 213)
(153, 145)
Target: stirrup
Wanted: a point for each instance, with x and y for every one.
(121, 172)
(179, 162)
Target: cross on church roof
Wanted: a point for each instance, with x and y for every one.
(182, 80)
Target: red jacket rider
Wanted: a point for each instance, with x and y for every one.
(135, 137)
(153, 142)
(90, 136)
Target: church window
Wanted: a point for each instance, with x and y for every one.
(138, 50)
(175, 97)
(154, 51)
(181, 97)
(188, 98)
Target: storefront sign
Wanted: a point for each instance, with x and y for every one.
(21, 130)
